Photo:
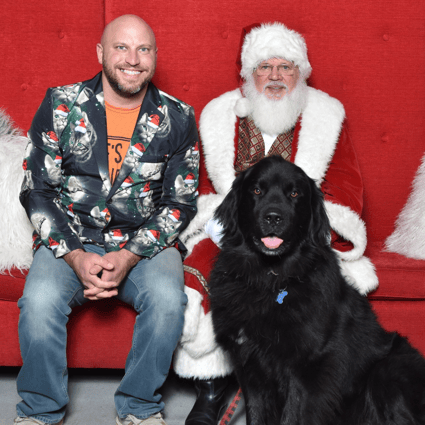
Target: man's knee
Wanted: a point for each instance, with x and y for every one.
(39, 300)
(165, 305)
(168, 299)
(41, 289)
(169, 266)
(43, 306)
(169, 314)
(38, 315)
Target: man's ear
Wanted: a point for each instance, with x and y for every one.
(99, 51)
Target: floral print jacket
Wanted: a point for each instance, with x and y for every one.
(67, 192)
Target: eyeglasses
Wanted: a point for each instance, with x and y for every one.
(283, 69)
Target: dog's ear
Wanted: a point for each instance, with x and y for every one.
(227, 211)
(320, 228)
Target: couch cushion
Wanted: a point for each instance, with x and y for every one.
(404, 316)
(12, 284)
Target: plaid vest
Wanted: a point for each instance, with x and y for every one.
(251, 145)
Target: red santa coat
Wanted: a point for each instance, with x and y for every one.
(323, 149)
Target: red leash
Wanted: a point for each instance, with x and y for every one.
(231, 409)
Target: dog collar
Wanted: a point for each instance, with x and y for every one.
(281, 295)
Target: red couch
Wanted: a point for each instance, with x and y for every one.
(369, 55)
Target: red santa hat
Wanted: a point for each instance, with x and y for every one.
(273, 41)
(62, 110)
(52, 136)
(106, 214)
(116, 235)
(71, 210)
(138, 149)
(153, 121)
(146, 190)
(153, 235)
(174, 215)
(53, 244)
(127, 182)
(80, 126)
(58, 159)
(190, 179)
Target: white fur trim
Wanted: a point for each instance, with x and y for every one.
(197, 354)
(408, 237)
(212, 365)
(191, 315)
(360, 274)
(350, 226)
(321, 124)
(204, 341)
(194, 233)
(217, 129)
(16, 246)
(274, 41)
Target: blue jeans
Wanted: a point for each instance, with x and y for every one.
(154, 287)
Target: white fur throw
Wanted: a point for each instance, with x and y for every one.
(409, 235)
(16, 241)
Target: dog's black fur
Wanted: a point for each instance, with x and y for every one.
(319, 357)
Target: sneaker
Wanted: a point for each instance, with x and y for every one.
(132, 420)
(33, 421)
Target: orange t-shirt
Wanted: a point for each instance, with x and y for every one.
(120, 123)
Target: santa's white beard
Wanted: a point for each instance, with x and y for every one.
(275, 116)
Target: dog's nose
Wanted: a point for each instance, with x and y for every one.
(273, 217)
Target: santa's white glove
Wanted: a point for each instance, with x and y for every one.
(214, 229)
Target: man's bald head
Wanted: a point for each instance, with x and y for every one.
(127, 52)
(125, 21)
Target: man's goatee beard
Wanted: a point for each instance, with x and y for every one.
(275, 116)
(126, 92)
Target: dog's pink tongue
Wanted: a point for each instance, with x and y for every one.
(272, 243)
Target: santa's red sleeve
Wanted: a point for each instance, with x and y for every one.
(343, 185)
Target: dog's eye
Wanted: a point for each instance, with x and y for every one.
(257, 191)
(294, 194)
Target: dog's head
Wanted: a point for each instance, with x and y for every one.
(273, 207)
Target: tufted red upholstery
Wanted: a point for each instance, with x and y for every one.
(369, 55)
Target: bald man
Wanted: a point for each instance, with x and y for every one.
(111, 173)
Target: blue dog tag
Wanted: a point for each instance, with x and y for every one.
(282, 294)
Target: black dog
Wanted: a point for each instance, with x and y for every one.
(306, 346)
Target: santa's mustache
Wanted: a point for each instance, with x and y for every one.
(275, 84)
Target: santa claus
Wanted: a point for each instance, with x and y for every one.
(274, 112)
